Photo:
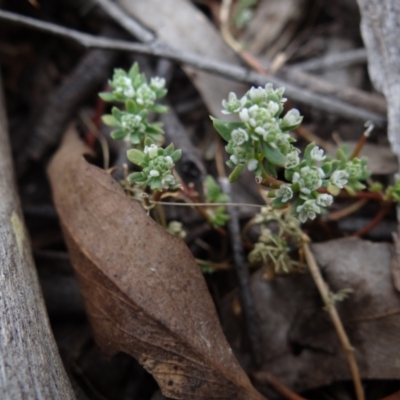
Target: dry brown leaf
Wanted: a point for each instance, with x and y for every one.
(298, 334)
(143, 291)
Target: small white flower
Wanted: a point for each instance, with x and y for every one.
(157, 83)
(168, 181)
(169, 160)
(285, 193)
(233, 105)
(253, 111)
(256, 94)
(310, 178)
(239, 136)
(273, 107)
(292, 160)
(252, 164)
(151, 150)
(154, 173)
(244, 115)
(308, 210)
(234, 159)
(324, 200)
(262, 132)
(317, 154)
(339, 178)
(292, 118)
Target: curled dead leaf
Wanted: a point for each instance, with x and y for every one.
(142, 289)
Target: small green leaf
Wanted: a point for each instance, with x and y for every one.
(118, 134)
(160, 93)
(135, 156)
(109, 120)
(117, 113)
(154, 128)
(135, 177)
(134, 138)
(269, 167)
(274, 156)
(225, 128)
(134, 71)
(236, 172)
(156, 185)
(277, 203)
(159, 108)
(327, 168)
(289, 174)
(334, 190)
(106, 96)
(176, 155)
(307, 152)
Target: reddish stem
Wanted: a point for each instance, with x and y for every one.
(373, 223)
(279, 387)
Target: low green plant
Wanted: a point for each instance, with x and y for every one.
(261, 141)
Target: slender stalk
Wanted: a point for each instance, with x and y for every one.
(276, 384)
(374, 222)
(335, 216)
(331, 309)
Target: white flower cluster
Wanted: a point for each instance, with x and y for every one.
(307, 177)
(259, 110)
(143, 93)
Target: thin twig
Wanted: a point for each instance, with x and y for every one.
(266, 377)
(234, 72)
(334, 61)
(331, 309)
(249, 311)
(247, 301)
(360, 144)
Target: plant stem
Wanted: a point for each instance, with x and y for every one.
(331, 309)
(276, 384)
(374, 222)
(268, 181)
(335, 216)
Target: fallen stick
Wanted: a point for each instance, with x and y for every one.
(30, 366)
(234, 72)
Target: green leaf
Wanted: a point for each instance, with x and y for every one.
(156, 185)
(289, 174)
(135, 156)
(109, 120)
(134, 71)
(327, 168)
(307, 152)
(334, 190)
(269, 167)
(236, 172)
(225, 128)
(176, 155)
(274, 156)
(159, 108)
(117, 113)
(277, 203)
(160, 93)
(343, 153)
(134, 138)
(118, 134)
(106, 96)
(134, 177)
(154, 128)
